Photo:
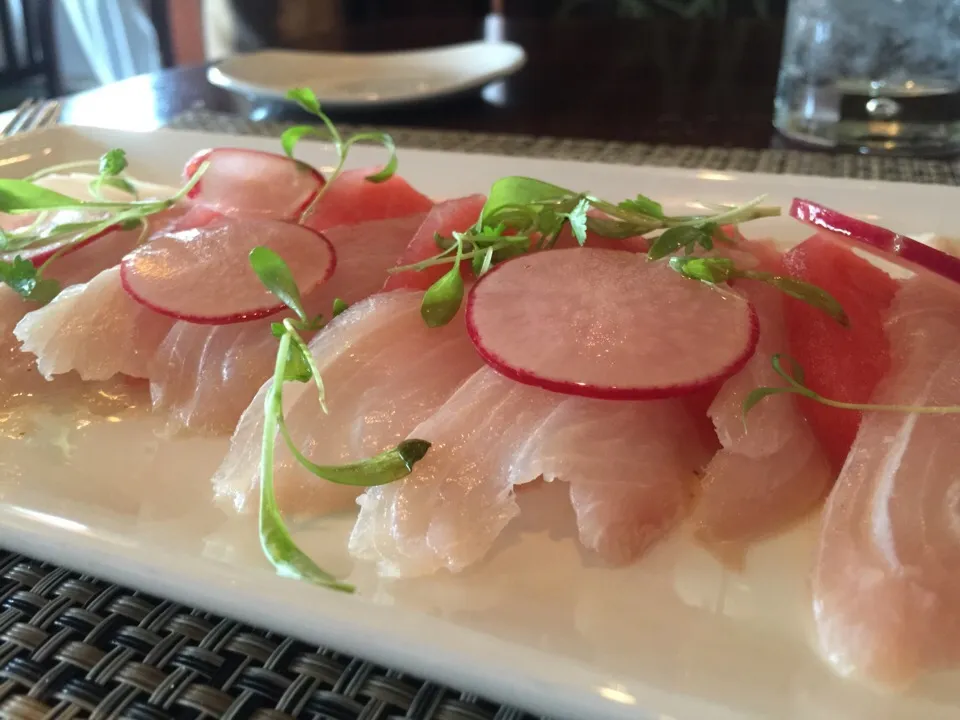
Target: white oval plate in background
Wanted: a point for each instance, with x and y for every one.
(362, 80)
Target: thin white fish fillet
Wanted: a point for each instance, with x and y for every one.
(449, 511)
(203, 376)
(886, 581)
(630, 466)
(384, 371)
(771, 471)
(94, 328)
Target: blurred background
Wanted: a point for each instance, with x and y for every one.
(54, 47)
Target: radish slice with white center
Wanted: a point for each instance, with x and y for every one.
(909, 252)
(253, 183)
(39, 254)
(203, 275)
(608, 324)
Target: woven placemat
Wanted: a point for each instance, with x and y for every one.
(794, 162)
(74, 646)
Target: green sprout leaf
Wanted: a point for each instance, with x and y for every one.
(298, 367)
(291, 136)
(719, 269)
(518, 191)
(113, 162)
(390, 167)
(643, 205)
(275, 274)
(25, 279)
(305, 98)
(805, 292)
(20, 196)
(339, 306)
(675, 238)
(578, 220)
(712, 270)
(387, 467)
(442, 300)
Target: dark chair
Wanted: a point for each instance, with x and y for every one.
(160, 17)
(28, 53)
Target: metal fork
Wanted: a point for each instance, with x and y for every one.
(32, 115)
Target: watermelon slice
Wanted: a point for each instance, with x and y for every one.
(351, 198)
(446, 217)
(840, 363)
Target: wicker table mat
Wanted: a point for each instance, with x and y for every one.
(74, 646)
(794, 162)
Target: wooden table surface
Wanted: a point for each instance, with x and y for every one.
(703, 83)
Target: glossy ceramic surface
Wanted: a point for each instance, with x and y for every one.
(358, 80)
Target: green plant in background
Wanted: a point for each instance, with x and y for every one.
(680, 8)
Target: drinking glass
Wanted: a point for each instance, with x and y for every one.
(875, 75)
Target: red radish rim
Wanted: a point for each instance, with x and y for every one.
(899, 248)
(41, 254)
(235, 318)
(194, 163)
(566, 387)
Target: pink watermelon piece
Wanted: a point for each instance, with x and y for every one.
(446, 217)
(351, 198)
(841, 363)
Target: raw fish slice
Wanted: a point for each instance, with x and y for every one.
(204, 376)
(446, 217)
(840, 363)
(449, 511)
(886, 586)
(629, 465)
(384, 372)
(746, 498)
(770, 472)
(365, 251)
(352, 199)
(774, 422)
(94, 328)
(252, 183)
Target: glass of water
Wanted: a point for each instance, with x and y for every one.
(874, 75)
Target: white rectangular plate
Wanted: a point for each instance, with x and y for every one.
(539, 623)
(367, 80)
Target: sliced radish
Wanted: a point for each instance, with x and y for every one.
(253, 183)
(203, 275)
(39, 254)
(608, 324)
(908, 252)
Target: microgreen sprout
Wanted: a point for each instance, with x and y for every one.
(522, 215)
(794, 377)
(24, 196)
(307, 100)
(295, 363)
(713, 270)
